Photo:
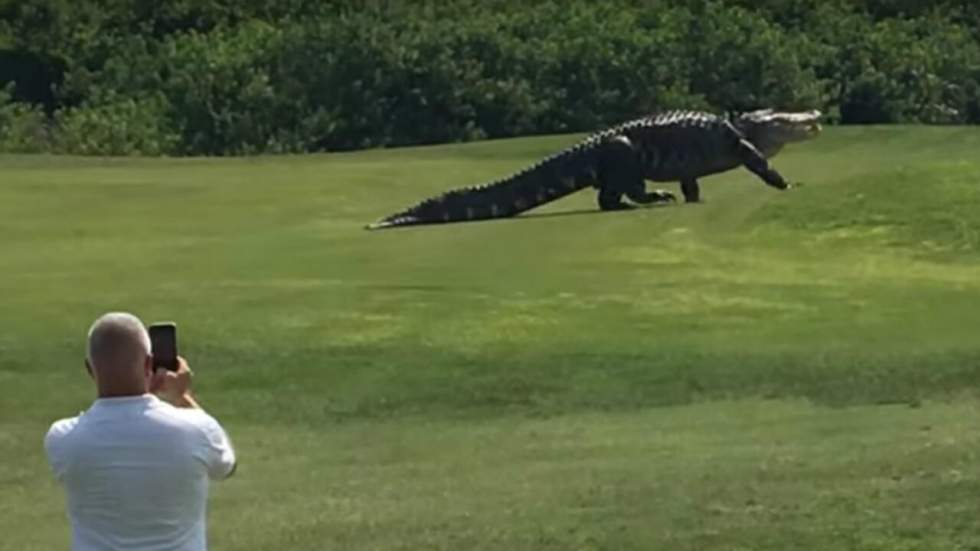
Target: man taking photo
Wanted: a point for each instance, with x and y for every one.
(135, 466)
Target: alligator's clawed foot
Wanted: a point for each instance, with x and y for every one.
(654, 197)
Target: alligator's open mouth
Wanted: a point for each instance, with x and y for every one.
(770, 130)
(808, 122)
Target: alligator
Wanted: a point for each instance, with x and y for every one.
(674, 146)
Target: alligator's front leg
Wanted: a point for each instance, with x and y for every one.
(621, 173)
(691, 190)
(757, 163)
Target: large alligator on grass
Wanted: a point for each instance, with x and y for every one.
(677, 146)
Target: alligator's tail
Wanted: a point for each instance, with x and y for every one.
(550, 179)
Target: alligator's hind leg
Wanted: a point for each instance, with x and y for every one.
(691, 190)
(620, 172)
(611, 199)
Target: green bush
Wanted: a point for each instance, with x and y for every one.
(23, 127)
(739, 60)
(123, 126)
(899, 70)
(221, 77)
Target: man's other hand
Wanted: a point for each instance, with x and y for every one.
(174, 386)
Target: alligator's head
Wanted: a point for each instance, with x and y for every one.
(770, 130)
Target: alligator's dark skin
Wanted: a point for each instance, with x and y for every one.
(678, 146)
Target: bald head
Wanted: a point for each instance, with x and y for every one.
(118, 341)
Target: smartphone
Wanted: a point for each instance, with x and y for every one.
(163, 339)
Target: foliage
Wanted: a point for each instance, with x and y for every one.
(23, 127)
(224, 77)
(117, 126)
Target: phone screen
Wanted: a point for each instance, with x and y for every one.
(163, 338)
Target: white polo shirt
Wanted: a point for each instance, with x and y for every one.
(135, 471)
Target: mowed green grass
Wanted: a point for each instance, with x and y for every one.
(767, 370)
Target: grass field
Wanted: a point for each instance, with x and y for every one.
(766, 370)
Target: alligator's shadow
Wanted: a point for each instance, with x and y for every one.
(580, 212)
(533, 215)
(556, 214)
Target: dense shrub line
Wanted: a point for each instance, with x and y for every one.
(222, 77)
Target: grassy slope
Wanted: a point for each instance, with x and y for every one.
(490, 384)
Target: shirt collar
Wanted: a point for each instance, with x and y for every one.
(122, 401)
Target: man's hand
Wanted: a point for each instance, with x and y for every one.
(174, 386)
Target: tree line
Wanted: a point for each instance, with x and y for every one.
(224, 77)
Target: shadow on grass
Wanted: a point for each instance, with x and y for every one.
(594, 211)
(534, 215)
